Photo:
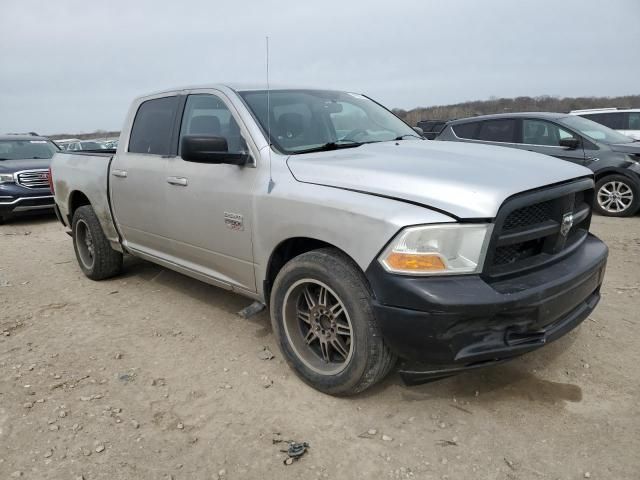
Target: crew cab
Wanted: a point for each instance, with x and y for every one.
(24, 175)
(367, 243)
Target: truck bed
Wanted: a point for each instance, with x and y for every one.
(87, 172)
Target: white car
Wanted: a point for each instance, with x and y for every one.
(625, 121)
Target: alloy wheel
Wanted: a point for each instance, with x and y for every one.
(318, 326)
(615, 197)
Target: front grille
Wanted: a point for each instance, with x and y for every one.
(33, 178)
(529, 215)
(534, 228)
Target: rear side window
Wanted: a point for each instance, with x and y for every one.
(466, 130)
(153, 125)
(497, 131)
(613, 120)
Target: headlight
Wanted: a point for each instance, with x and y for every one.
(6, 177)
(438, 249)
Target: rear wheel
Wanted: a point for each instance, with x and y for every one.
(95, 256)
(616, 196)
(322, 316)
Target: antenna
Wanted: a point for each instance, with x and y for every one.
(271, 182)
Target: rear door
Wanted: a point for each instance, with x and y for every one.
(210, 205)
(138, 177)
(543, 136)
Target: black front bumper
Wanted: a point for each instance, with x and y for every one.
(443, 325)
(15, 199)
(24, 205)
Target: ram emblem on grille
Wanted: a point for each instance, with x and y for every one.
(567, 223)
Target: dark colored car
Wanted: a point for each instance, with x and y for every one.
(431, 128)
(24, 174)
(613, 157)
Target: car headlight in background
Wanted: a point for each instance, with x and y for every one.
(456, 248)
(6, 177)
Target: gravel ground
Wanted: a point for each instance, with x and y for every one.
(153, 375)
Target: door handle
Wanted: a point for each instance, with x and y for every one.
(119, 173)
(181, 181)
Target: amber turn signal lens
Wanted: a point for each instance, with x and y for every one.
(415, 262)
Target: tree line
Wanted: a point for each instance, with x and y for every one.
(544, 103)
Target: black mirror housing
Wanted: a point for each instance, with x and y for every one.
(570, 143)
(209, 149)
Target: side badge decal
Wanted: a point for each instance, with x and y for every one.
(234, 221)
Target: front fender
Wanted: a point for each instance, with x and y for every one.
(359, 224)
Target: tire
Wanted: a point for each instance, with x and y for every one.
(342, 327)
(95, 256)
(614, 192)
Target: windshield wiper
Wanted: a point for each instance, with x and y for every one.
(329, 146)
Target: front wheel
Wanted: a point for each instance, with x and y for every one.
(323, 320)
(616, 196)
(95, 256)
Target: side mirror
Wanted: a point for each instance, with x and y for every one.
(208, 149)
(419, 131)
(571, 143)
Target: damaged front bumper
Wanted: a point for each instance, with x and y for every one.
(440, 326)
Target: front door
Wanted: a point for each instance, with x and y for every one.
(137, 178)
(210, 204)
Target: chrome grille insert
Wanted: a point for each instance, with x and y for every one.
(33, 178)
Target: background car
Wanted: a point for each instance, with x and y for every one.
(625, 121)
(613, 157)
(24, 174)
(85, 145)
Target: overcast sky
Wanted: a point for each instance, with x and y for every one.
(74, 66)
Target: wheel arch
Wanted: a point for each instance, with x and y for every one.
(600, 174)
(290, 248)
(77, 199)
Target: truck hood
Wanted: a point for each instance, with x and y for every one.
(462, 179)
(12, 166)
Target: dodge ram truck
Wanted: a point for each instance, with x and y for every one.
(367, 243)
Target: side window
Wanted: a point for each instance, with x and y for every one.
(206, 114)
(466, 130)
(153, 125)
(613, 120)
(497, 131)
(634, 121)
(541, 132)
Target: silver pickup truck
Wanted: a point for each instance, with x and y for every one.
(368, 243)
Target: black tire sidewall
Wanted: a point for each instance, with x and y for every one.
(106, 261)
(340, 277)
(630, 183)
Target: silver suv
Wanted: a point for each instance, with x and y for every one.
(625, 121)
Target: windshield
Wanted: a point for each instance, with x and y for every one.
(26, 149)
(595, 131)
(304, 120)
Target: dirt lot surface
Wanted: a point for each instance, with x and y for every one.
(153, 375)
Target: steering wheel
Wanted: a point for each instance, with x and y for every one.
(354, 133)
